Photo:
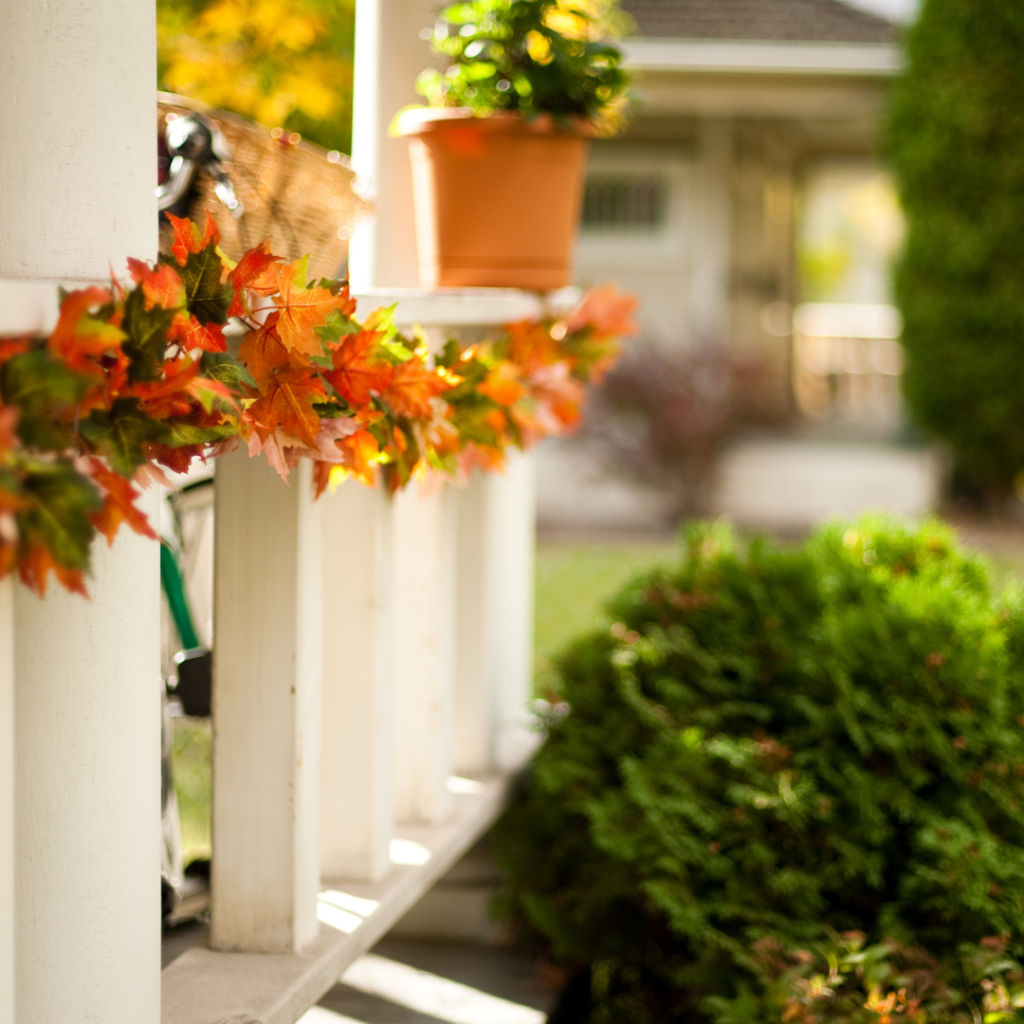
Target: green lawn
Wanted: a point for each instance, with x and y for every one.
(574, 580)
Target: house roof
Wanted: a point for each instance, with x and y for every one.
(812, 21)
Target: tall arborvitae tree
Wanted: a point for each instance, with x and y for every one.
(956, 139)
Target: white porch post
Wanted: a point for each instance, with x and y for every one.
(710, 282)
(266, 708)
(7, 801)
(389, 56)
(76, 195)
(357, 778)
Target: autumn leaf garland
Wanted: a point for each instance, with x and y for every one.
(140, 377)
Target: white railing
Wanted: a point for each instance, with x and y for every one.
(372, 664)
(848, 363)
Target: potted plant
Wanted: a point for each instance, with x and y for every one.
(498, 155)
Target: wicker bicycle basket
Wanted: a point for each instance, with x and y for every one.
(295, 195)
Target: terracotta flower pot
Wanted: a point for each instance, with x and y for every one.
(497, 198)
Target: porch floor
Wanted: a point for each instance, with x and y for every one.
(405, 981)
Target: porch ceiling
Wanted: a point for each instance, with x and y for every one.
(775, 20)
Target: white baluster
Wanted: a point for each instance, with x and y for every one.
(425, 538)
(7, 801)
(266, 708)
(357, 778)
(495, 618)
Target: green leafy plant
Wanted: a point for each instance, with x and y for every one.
(845, 981)
(772, 743)
(532, 56)
(956, 142)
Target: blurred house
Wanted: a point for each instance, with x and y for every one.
(747, 205)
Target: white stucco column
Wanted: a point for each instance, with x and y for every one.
(76, 180)
(7, 801)
(713, 230)
(78, 169)
(389, 56)
(357, 774)
(266, 708)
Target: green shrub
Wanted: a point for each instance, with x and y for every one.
(843, 981)
(956, 141)
(774, 743)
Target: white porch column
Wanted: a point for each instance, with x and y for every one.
(7, 801)
(357, 777)
(494, 669)
(425, 538)
(87, 804)
(266, 708)
(76, 195)
(389, 56)
(713, 231)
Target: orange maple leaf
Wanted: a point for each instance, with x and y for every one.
(288, 402)
(118, 504)
(358, 371)
(37, 562)
(178, 460)
(263, 353)
(304, 308)
(413, 387)
(79, 337)
(361, 455)
(502, 385)
(607, 312)
(188, 332)
(257, 272)
(531, 345)
(187, 238)
(161, 285)
(11, 347)
(169, 396)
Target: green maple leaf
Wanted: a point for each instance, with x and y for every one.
(177, 435)
(56, 516)
(221, 366)
(119, 435)
(41, 388)
(146, 344)
(206, 296)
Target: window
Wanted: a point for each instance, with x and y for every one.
(627, 203)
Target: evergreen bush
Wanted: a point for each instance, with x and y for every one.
(776, 744)
(956, 141)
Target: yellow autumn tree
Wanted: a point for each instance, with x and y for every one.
(284, 63)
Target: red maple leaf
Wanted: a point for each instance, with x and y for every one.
(37, 562)
(188, 332)
(178, 460)
(359, 372)
(169, 396)
(161, 285)
(304, 308)
(187, 238)
(80, 338)
(118, 504)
